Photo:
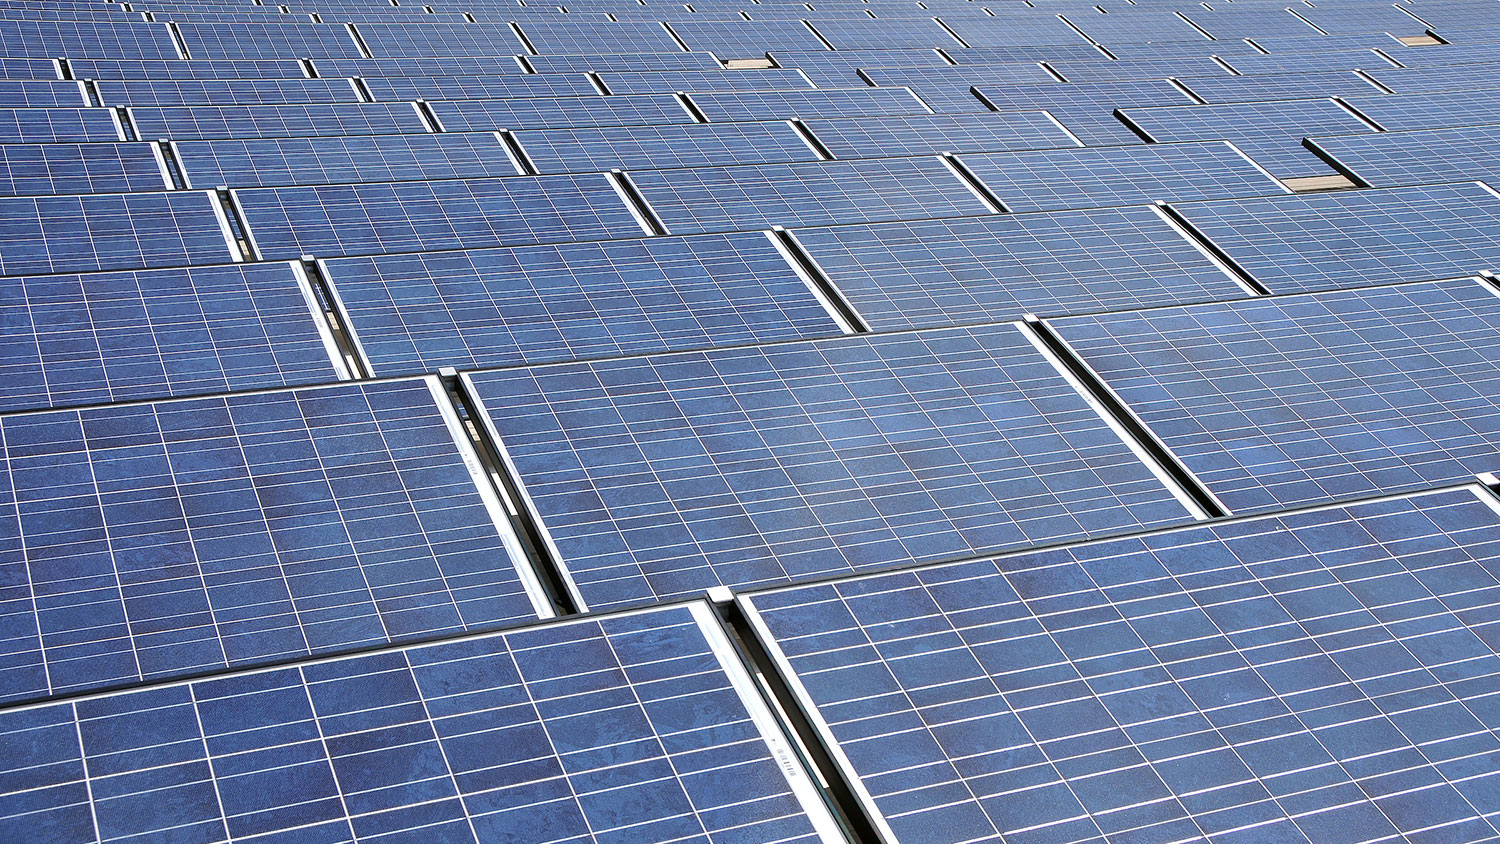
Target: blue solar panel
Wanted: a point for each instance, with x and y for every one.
(398, 40)
(1012, 31)
(947, 89)
(727, 106)
(1392, 159)
(500, 307)
(658, 82)
(561, 63)
(1227, 21)
(1349, 239)
(1087, 108)
(1027, 53)
(37, 169)
(56, 234)
(37, 93)
(1263, 680)
(276, 121)
(271, 40)
(20, 68)
(320, 161)
(245, 529)
(1280, 63)
(1154, 25)
(1269, 133)
(810, 194)
(1363, 18)
(123, 336)
(1437, 110)
(1106, 71)
(58, 125)
(662, 477)
(828, 69)
(1279, 86)
(639, 727)
(418, 66)
(1280, 45)
(982, 269)
(862, 137)
(180, 69)
(1432, 56)
(655, 147)
(1281, 401)
(243, 92)
(736, 39)
(480, 87)
(565, 36)
(849, 33)
(1053, 180)
(86, 39)
(561, 112)
(1415, 80)
(373, 218)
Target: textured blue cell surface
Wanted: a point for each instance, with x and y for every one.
(265, 162)
(59, 168)
(1326, 675)
(55, 234)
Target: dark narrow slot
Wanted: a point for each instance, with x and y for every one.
(1143, 437)
(309, 68)
(92, 89)
(177, 40)
(1263, 50)
(860, 72)
(1209, 246)
(1328, 159)
(334, 317)
(359, 41)
(1491, 483)
(1074, 27)
(424, 109)
(547, 568)
(316, 18)
(64, 69)
(525, 64)
(973, 182)
(1186, 91)
(236, 222)
(525, 42)
(150, 18)
(518, 152)
(812, 140)
(1219, 60)
(1491, 279)
(825, 285)
(1388, 57)
(1206, 33)
(1107, 54)
(362, 89)
(943, 54)
(848, 810)
(1053, 72)
(598, 83)
(1308, 22)
(675, 37)
(642, 207)
(1132, 126)
(954, 35)
(692, 107)
(174, 167)
(1358, 115)
(1373, 81)
(126, 124)
(985, 101)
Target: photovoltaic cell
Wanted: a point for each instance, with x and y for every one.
(982, 269)
(639, 727)
(58, 125)
(227, 92)
(665, 82)
(654, 147)
(1356, 238)
(1279, 86)
(808, 194)
(535, 304)
(31, 169)
(1282, 401)
(1087, 108)
(920, 134)
(1257, 680)
(124, 336)
(373, 218)
(1054, 180)
(334, 160)
(1392, 159)
(664, 476)
(41, 93)
(1433, 110)
(55, 234)
(561, 112)
(727, 106)
(234, 531)
(180, 123)
(395, 88)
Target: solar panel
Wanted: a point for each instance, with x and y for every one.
(59, 125)
(1012, 31)
(726, 106)
(808, 194)
(1230, 22)
(400, 40)
(1054, 180)
(561, 63)
(1160, 25)
(661, 477)
(534, 304)
(183, 123)
(319, 161)
(829, 69)
(1278, 45)
(655, 147)
(418, 66)
(860, 137)
(636, 727)
(41, 93)
(1087, 108)
(846, 34)
(1156, 50)
(1279, 86)
(1393, 159)
(124, 336)
(374, 218)
(228, 92)
(1415, 80)
(561, 112)
(665, 82)
(1253, 680)
(1269, 133)
(56, 234)
(480, 87)
(735, 39)
(947, 82)
(565, 36)
(86, 39)
(270, 40)
(20, 68)
(1107, 71)
(1355, 238)
(1433, 56)
(982, 269)
(1280, 63)
(1308, 398)
(185, 69)
(1366, 17)
(272, 525)
(39, 169)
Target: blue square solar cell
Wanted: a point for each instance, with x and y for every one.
(84, 339)
(810, 194)
(240, 530)
(591, 150)
(728, 106)
(918, 134)
(1086, 108)
(1052, 180)
(332, 160)
(1356, 238)
(178, 92)
(1393, 159)
(493, 87)
(59, 125)
(36, 93)
(641, 727)
(981, 269)
(499, 307)
(180, 123)
(1257, 680)
(1269, 133)
(1279, 86)
(1433, 110)
(271, 40)
(661, 477)
(1281, 401)
(31, 169)
(56, 234)
(560, 112)
(373, 218)
(86, 39)
(421, 39)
